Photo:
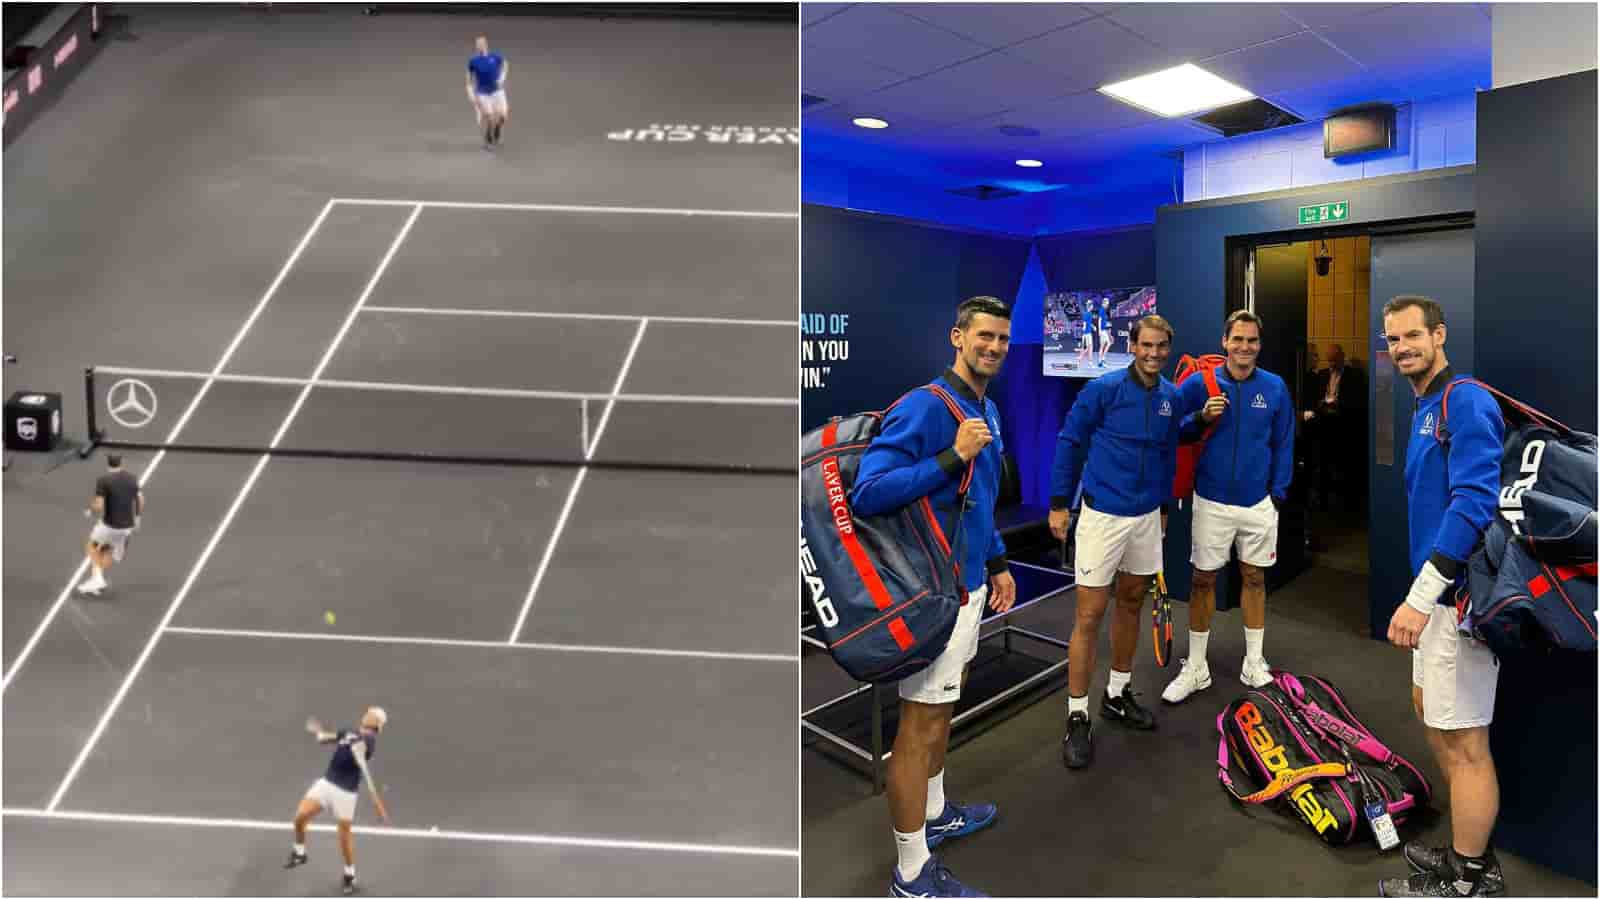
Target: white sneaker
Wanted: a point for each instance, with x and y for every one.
(1194, 676)
(92, 588)
(1255, 673)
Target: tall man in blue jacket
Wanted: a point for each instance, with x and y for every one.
(1451, 494)
(921, 451)
(1241, 480)
(1120, 440)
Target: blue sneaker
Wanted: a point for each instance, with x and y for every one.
(958, 820)
(933, 881)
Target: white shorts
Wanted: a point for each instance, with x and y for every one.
(1109, 544)
(1218, 527)
(941, 682)
(1457, 674)
(332, 797)
(115, 538)
(494, 103)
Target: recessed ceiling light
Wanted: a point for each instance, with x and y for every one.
(868, 122)
(1178, 91)
(1029, 163)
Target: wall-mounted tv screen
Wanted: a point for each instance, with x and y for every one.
(1086, 332)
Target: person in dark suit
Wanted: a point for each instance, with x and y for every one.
(1335, 416)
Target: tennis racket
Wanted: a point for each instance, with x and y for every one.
(1161, 620)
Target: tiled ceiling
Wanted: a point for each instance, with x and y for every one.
(947, 75)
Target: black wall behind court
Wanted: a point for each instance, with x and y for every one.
(1535, 307)
(882, 294)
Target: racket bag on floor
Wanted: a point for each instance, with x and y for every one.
(1303, 750)
(886, 589)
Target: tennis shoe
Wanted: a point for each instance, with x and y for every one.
(296, 859)
(959, 820)
(1195, 676)
(1450, 883)
(1077, 748)
(1255, 673)
(933, 881)
(1126, 710)
(350, 886)
(1423, 858)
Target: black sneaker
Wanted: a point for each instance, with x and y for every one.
(1126, 710)
(1077, 748)
(295, 859)
(1423, 858)
(350, 885)
(1452, 881)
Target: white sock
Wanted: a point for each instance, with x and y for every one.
(300, 849)
(912, 848)
(99, 573)
(935, 796)
(1078, 704)
(1252, 642)
(1197, 649)
(1119, 680)
(350, 871)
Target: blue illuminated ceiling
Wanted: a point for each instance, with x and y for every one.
(947, 76)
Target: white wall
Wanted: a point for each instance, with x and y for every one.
(1542, 40)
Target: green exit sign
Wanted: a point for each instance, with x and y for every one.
(1325, 212)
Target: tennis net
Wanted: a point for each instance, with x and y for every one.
(161, 409)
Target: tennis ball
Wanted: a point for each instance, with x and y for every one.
(328, 617)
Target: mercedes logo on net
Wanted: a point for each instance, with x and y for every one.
(132, 403)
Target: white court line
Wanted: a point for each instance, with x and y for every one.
(227, 519)
(564, 207)
(599, 317)
(457, 390)
(461, 642)
(194, 404)
(552, 840)
(572, 495)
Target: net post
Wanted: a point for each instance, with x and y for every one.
(89, 414)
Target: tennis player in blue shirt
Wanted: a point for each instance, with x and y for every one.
(486, 88)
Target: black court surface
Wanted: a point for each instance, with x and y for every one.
(282, 226)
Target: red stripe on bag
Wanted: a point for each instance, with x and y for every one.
(1567, 573)
(830, 434)
(902, 634)
(1538, 587)
(846, 527)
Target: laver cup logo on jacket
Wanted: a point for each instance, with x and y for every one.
(1276, 759)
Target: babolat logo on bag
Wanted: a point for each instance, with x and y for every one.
(1303, 748)
(1531, 583)
(886, 590)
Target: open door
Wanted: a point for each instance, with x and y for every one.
(1437, 264)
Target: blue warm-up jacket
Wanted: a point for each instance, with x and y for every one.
(1250, 455)
(1121, 440)
(914, 456)
(1452, 493)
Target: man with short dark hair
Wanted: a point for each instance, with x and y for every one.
(116, 507)
(1120, 440)
(1336, 423)
(1240, 481)
(920, 451)
(1451, 495)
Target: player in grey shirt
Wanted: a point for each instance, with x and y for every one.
(117, 505)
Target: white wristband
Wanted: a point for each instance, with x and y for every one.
(1427, 589)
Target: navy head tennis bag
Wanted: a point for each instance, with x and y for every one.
(1531, 581)
(885, 589)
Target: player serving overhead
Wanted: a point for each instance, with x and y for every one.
(339, 788)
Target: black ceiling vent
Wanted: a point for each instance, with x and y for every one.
(1243, 118)
(809, 100)
(1018, 131)
(984, 192)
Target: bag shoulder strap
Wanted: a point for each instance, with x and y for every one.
(1506, 401)
(1281, 783)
